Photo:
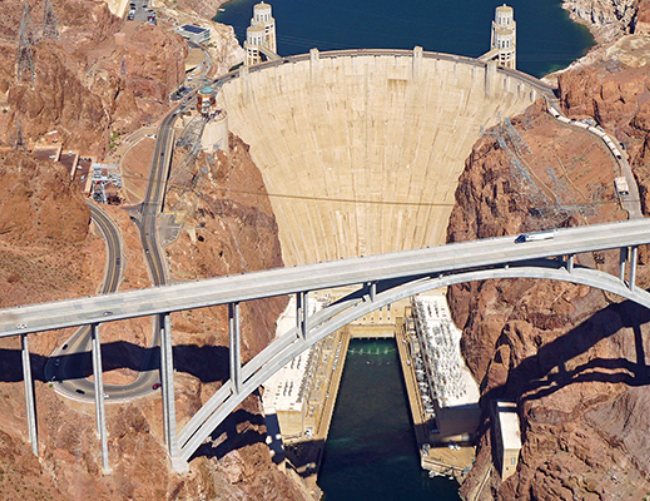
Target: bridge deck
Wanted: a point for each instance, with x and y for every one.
(224, 290)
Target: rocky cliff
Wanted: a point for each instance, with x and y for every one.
(606, 19)
(97, 78)
(573, 358)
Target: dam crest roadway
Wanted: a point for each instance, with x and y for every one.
(373, 141)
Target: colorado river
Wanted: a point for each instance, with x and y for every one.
(371, 453)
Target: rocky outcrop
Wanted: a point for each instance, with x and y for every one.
(618, 96)
(607, 19)
(89, 83)
(574, 359)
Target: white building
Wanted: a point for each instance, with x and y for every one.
(507, 436)
(286, 392)
(448, 388)
(193, 33)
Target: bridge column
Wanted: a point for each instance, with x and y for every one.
(235, 347)
(372, 291)
(30, 404)
(302, 313)
(621, 264)
(100, 416)
(633, 259)
(569, 263)
(169, 400)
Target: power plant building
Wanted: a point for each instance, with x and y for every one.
(507, 436)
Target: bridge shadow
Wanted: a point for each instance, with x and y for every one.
(546, 372)
(207, 363)
(240, 429)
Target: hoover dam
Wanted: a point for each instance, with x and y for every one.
(361, 150)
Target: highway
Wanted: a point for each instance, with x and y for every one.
(60, 368)
(415, 263)
(64, 368)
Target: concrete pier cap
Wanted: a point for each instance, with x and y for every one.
(361, 150)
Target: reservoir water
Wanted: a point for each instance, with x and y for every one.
(371, 453)
(547, 39)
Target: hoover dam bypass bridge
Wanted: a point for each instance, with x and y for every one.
(381, 280)
(375, 141)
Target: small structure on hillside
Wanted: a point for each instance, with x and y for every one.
(193, 33)
(507, 436)
(503, 41)
(105, 176)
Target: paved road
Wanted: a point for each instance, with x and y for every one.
(66, 367)
(269, 283)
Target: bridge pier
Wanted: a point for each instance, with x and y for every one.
(30, 403)
(235, 347)
(372, 291)
(167, 380)
(302, 313)
(100, 416)
(621, 264)
(633, 260)
(570, 263)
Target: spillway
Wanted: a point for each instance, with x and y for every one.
(361, 151)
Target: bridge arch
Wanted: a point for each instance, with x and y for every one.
(360, 303)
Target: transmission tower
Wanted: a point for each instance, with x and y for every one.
(123, 71)
(25, 59)
(19, 144)
(50, 25)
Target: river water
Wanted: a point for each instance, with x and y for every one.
(371, 452)
(547, 39)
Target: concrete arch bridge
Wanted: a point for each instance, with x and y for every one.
(380, 280)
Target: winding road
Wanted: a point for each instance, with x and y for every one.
(67, 365)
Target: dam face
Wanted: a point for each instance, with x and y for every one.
(361, 153)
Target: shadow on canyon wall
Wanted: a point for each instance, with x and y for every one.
(545, 372)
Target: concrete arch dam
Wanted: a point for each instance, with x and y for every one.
(361, 150)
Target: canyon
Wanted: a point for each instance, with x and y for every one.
(573, 358)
